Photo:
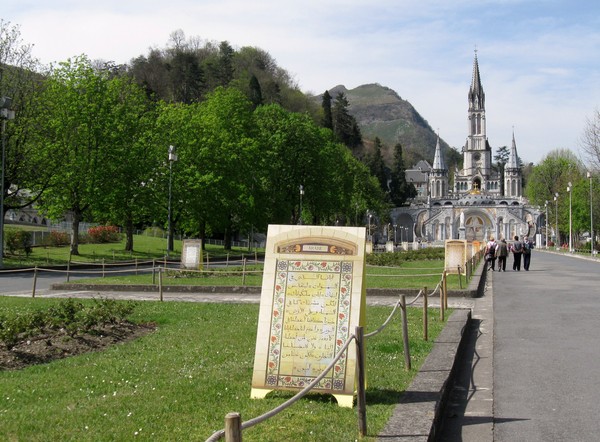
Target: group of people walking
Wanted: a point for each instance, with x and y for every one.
(501, 249)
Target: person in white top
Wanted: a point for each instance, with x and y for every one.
(490, 253)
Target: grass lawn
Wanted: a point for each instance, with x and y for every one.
(179, 382)
(145, 248)
(413, 274)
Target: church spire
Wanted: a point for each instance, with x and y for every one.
(438, 159)
(476, 94)
(513, 158)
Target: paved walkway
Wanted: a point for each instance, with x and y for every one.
(541, 381)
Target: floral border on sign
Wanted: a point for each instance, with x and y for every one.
(335, 380)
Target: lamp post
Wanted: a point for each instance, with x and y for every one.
(172, 159)
(546, 224)
(5, 115)
(589, 175)
(370, 216)
(570, 190)
(300, 214)
(556, 214)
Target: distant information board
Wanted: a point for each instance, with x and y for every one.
(313, 296)
(191, 254)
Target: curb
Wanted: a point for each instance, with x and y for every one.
(417, 417)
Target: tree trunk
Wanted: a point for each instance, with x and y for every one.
(202, 232)
(129, 234)
(75, 233)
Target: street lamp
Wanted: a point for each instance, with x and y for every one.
(172, 159)
(370, 216)
(5, 115)
(546, 224)
(300, 214)
(570, 190)
(556, 213)
(589, 175)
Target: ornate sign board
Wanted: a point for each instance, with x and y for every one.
(191, 254)
(455, 255)
(313, 296)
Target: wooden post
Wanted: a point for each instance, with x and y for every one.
(255, 257)
(153, 271)
(459, 278)
(442, 304)
(425, 316)
(361, 398)
(207, 260)
(405, 332)
(34, 282)
(68, 267)
(227, 262)
(103, 267)
(244, 272)
(233, 427)
(160, 284)
(136, 266)
(445, 286)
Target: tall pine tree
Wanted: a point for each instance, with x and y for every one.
(377, 166)
(400, 189)
(326, 105)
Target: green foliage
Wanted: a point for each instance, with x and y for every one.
(18, 241)
(399, 258)
(70, 315)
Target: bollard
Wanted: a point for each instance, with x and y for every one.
(405, 332)
(445, 286)
(34, 281)
(153, 271)
(160, 284)
(233, 427)
(425, 316)
(361, 398)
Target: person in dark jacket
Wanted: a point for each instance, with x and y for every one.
(502, 253)
(527, 246)
(517, 250)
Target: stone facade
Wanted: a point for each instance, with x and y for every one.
(480, 202)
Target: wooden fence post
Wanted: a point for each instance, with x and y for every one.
(34, 281)
(233, 427)
(243, 272)
(459, 278)
(361, 398)
(445, 285)
(160, 284)
(425, 316)
(153, 271)
(405, 332)
(103, 268)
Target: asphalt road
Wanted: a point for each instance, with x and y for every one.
(546, 350)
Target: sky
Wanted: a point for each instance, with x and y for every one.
(539, 59)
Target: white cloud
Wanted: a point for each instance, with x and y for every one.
(537, 57)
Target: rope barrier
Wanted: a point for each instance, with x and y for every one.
(263, 417)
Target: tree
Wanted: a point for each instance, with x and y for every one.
(187, 77)
(501, 158)
(255, 92)
(124, 199)
(345, 126)
(377, 166)
(550, 177)
(24, 168)
(400, 189)
(590, 141)
(74, 136)
(327, 116)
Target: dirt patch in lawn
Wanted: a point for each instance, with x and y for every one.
(58, 344)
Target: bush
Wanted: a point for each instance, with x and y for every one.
(104, 234)
(18, 241)
(396, 259)
(70, 315)
(58, 238)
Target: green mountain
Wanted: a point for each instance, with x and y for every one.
(381, 112)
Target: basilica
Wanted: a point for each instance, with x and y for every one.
(478, 202)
